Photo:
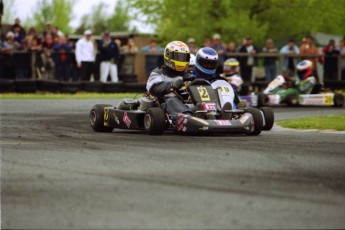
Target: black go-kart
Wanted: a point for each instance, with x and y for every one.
(150, 115)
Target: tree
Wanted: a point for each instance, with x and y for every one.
(8, 11)
(180, 19)
(56, 12)
(99, 20)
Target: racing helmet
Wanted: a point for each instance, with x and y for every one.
(176, 56)
(206, 60)
(231, 66)
(192, 60)
(304, 69)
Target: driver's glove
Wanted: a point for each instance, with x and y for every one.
(177, 83)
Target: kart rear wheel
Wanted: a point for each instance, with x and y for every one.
(258, 121)
(269, 118)
(338, 100)
(97, 119)
(155, 121)
(263, 100)
(292, 100)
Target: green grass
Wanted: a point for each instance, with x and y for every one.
(70, 96)
(333, 122)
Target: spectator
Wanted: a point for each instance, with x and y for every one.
(17, 23)
(309, 48)
(342, 52)
(231, 48)
(270, 62)
(109, 57)
(330, 64)
(221, 50)
(191, 44)
(9, 46)
(31, 34)
(62, 59)
(289, 63)
(19, 36)
(129, 51)
(247, 63)
(36, 49)
(152, 58)
(49, 29)
(207, 42)
(85, 55)
(48, 71)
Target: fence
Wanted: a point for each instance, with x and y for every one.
(137, 79)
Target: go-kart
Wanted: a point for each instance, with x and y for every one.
(279, 92)
(149, 114)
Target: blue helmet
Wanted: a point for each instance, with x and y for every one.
(206, 60)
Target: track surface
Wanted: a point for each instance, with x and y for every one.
(57, 173)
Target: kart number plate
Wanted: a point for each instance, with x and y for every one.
(203, 93)
(225, 90)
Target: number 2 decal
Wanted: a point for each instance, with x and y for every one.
(203, 94)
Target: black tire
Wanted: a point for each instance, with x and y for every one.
(52, 86)
(154, 121)
(94, 87)
(263, 100)
(338, 100)
(26, 86)
(6, 86)
(96, 119)
(258, 121)
(269, 118)
(69, 87)
(292, 100)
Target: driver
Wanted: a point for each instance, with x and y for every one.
(304, 82)
(163, 80)
(206, 64)
(231, 70)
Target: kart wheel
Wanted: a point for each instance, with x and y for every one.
(258, 121)
(154, 121)
(338, 100)
(292, 100)
(263, 100)
(269, 118)
(97, 119)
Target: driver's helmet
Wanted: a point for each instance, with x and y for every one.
(192, 60)
(206, 60)
(231, 66)
(176, 56)
(304, 69)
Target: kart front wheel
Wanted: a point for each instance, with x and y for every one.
(97, 118)
(338, 100)
(154, 121)
(269, 118)
(258, 121)
(263, 100)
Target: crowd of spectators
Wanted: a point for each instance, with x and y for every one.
(48, 54)
(271, 54)
(52, 55)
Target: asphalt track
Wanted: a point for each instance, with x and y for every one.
(56, 173)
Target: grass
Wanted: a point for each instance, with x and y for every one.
(329, 122)
(70, 96)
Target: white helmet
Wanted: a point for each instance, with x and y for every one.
(192, 60)
(176, 56)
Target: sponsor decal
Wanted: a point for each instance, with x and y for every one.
(203, 128)
(223, 122)
(184, 129)
(116, 119)
(106, 117)
(200, 120)
(209, 106)
(185, 121)
(245, 117)
(180, 127)
(127, 120)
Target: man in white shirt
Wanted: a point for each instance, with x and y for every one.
(85, 53)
